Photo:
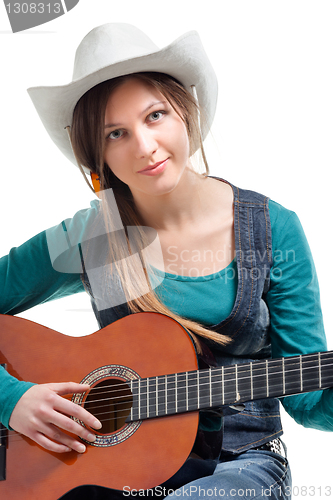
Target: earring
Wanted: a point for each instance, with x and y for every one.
(95, 182)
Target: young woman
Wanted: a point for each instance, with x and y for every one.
(230, 265)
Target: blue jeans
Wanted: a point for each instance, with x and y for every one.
(251, 475)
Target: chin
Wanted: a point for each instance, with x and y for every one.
(161, 185)
(165, 187)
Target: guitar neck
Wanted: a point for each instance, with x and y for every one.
(228, 385)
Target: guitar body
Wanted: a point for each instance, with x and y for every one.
(139, 455)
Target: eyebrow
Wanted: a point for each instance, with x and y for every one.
(111, 125)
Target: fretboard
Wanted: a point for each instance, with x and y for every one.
(228, 385)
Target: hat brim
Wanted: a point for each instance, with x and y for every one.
(185, 59)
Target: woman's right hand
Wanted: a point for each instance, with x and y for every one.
(42, 414)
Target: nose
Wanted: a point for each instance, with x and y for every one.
(145, 143)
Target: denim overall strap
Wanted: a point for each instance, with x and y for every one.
(248, 321)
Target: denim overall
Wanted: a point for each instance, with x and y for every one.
(247, 325)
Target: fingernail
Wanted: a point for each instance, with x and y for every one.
(81, 448)
(97, 424)
(91, 438)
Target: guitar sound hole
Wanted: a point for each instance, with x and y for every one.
(110, 401)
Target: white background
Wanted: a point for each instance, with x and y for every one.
(273, 133)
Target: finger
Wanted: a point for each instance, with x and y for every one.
(67, 424)
(50, 445)
(56, 435)
(64, 388)
(54, 439)
(57, 441)
(42, 437)
(69, 408)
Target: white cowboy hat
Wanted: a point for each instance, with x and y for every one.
(117, 49)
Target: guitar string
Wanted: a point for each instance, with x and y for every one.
(291, 384)
(256, 367)
(239, 379)
(12, 434)
(125, 384)
(125, 412)
(113, 398)
(205, 385)
(289, 372)
(241, 366)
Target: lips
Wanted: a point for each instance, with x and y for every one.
(154, 169)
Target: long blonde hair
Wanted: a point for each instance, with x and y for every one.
(88, 142)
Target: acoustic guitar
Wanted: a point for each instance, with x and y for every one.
(147, 390)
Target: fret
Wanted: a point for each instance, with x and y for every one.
(326, 370)
(236, 383)
(139, 399)
(161, 406)
(176, 395)
(151, 397)
(310, 374)
(181, 395)
(276, 376)
(131, 412)
(230, 384)
(216, 388)
(143, 398)
(244, 382)
(319, 367)
(267, 381)
(135, 384)
(192, 391)
(171, 394)
(186, 391)
(204, 392)
(301, 372)
(198, 389)
(284, 377)
(259, 380)
(156, 389)
(292, 375)
(166, 394)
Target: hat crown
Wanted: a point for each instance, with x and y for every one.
(114, 50)
(109, 44)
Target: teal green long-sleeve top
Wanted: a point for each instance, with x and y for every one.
(27, 278)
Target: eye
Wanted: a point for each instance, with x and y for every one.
(115, 134)
(156, 115)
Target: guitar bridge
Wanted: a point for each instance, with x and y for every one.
(3, 449)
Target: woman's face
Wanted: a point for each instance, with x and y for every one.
(147, 145)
